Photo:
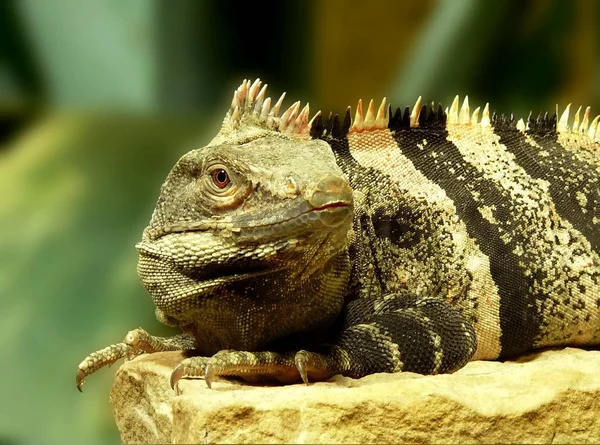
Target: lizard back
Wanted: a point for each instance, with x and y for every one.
(498, 217)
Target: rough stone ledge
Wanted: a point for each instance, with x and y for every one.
(547, 397)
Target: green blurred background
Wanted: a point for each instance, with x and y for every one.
(99, 98)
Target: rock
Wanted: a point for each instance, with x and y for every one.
(552, 396)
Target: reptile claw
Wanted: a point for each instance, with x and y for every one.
(314, 364)
(79, 379)
(209, 374)
(300, 364)
(188, 368)
(176, 376)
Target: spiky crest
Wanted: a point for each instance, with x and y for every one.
(251, 112)
(583, 128)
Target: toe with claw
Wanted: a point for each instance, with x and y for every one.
(317, 366)
(188, 368)
(101, 358)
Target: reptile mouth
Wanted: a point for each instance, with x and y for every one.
(333, 205)
(331, 214)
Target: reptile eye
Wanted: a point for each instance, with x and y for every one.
(220, 178)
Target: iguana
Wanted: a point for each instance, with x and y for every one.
(289, 249)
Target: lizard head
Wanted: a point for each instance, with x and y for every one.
(261, 198)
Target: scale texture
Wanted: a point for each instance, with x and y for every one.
(292, 249)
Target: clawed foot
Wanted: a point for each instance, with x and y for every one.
(251, 366)
(257, 366)
(136, 342)
(103, 357)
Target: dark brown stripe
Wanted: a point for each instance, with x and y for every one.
(519, 318)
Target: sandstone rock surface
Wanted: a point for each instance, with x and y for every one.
(547, 397)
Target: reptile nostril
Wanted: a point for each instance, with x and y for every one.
(291, 187)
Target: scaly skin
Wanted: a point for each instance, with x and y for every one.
(290, 250)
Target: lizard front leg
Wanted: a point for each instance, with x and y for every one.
(136, 342)
(395, 333)
(390, 334)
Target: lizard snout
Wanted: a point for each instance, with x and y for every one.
(331, 190)
(332, 198)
